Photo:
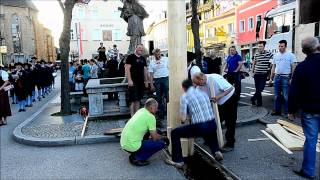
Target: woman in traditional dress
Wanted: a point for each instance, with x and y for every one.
(5, 110)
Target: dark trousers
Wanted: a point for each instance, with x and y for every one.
(206, 130)
(234, 78)
(162, 91)
(148, 148)
(259, 83)
(228, 113)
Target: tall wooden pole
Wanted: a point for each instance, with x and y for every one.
(177, 49)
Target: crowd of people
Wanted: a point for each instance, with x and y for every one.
(25, 84)
(294, 87)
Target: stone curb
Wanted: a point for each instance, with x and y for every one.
(19, 137)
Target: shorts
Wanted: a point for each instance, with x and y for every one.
(135, 93)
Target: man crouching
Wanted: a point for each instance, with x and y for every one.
(135, 137)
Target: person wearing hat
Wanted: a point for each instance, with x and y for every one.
(29, 85)
(5, 110)
(192, 67)
(20, 87)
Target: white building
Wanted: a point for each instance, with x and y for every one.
(99, 21)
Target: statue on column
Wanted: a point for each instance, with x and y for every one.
(133, 13)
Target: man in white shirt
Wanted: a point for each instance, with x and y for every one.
(227, 102)
(283, 65)
(159, 79)
(94, 69)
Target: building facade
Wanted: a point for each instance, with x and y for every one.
(217, 25)
(251, 24)
(98, 22)
(157, 34)
(20, 31)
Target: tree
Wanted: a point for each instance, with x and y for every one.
(64, 43)
(195, 30)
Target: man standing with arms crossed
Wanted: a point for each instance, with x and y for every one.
(304, 95)
(137, 75)
(261, 64)
(283, 65)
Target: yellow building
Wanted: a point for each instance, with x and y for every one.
(217, 22)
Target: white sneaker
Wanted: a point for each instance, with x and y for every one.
(218, 156)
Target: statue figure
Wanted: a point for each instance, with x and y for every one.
(133, 13)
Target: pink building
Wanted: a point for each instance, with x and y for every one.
(250, 24)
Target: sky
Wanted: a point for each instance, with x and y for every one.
(51, 16)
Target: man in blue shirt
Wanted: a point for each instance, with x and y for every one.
(234, 64)
(86, 71)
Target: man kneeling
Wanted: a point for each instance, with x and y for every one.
(135, 137)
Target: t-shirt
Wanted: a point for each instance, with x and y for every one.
(233, 62)
(132, 134)
(4, 75)
(220, 85)
(262, 62)
(86, 71)
(137, 68)
(283, 62)
(159, 68)
(94, 71)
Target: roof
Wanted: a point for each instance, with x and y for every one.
(19, 3)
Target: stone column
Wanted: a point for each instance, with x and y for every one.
(177, 50)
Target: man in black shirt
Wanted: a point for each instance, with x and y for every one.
(304, 94)
(102, 53)
(137, 75)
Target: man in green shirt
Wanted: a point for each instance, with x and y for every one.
(135, 137)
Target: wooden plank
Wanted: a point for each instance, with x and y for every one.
(296, 132)
(258, 139)
(217, 117)
(277, 142)
(84, 126)
(283, 136)
(293, 126)
(114, 131)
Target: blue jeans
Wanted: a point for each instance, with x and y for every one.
(162, 91)
(259, 83)
(148, 148)
(281, 89)
(22, 104)
(206, 130)
(311, 125)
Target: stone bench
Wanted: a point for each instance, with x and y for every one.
(77, 96)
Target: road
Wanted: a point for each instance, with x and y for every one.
(96, 161)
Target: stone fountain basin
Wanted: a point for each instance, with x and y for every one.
(106, 85)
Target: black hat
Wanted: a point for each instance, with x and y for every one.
(27, 64)
(191, 56)
(34, 57)
(18, 64)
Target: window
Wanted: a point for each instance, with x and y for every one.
(207, 15)
(278, 24)
(107, 35)
(242, 29)
(116, 14)
(95, 14)
(16, 34)
(96, 35)
(116, 35)
(81, 13)
(230, 28)
(250, 23)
